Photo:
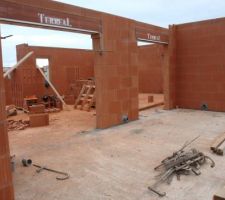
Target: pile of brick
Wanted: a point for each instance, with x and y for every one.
(37, 116)
(52, 110)
(14, 125)
(11, 110)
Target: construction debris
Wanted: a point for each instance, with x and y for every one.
(28, 162)
(218, 145)
(180, 163)
(52, 86)
(17, 125)
(52, 110)
(29, 101)
(11, 110)
(22, 109)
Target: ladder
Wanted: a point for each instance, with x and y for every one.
(86, 98)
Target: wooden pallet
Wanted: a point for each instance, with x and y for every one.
(86, 98)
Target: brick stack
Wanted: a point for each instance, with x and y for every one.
(37, 116)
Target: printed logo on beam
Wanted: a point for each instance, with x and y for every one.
(44, 19)
(154, 37)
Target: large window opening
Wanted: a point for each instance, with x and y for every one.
(43, 63)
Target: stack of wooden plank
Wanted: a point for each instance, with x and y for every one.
(218, 145)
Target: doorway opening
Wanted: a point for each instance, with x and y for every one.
(66, 60)
(151, 60)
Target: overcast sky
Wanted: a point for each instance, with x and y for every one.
(157, 12)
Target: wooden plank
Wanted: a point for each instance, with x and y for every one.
(52, 86)
(86, 97)
(220, 149)
(217, 141)
(220, 194)
(92, 100)
(17, 64)
(151, 106)
(80, 95)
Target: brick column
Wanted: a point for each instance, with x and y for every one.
(170, 71)
(6, 187)
(116, 72)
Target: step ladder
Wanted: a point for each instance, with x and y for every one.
(86, 98)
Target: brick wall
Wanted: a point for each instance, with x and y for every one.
(150, 63)
(8, 91)
(80, 65)
(66, 66)
(6, 187)
(200, 65)
(116, 71)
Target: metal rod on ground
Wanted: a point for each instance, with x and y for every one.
(17, 64)
(52, 86)
(66, 175)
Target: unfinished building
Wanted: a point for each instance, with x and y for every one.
(185, 65)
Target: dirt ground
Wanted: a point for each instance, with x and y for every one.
(115, 163)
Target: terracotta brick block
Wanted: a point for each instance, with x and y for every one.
(114, 107)
(69, 99)
(150, 99)
(133, 92)
(6, 193)
(126, 105)
(133, 114)
(5, 173)
(2, 105)
(4, 148)
(37, 120)
(112, 82)
(123, 94)
(40, 108)
(126, 82)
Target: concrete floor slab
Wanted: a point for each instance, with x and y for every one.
(116, 163)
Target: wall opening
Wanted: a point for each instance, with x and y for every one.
(68, 63)
(39, 37)
(43, 63)
(150, 71)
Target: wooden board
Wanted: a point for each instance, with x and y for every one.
(218, 141)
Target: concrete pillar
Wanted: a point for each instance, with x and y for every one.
(6, 187)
